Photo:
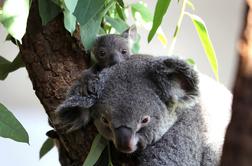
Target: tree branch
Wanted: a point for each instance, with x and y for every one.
(238, 142)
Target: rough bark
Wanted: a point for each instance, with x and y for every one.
(54, 60)
(238, 142)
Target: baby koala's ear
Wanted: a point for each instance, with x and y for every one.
(130, 33)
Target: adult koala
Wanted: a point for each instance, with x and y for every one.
(149, 108)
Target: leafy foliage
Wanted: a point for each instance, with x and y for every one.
(160, 10)
(70, 5)
(46, 147)
(48, 10)
(117, 23)
(90, 29)
(6, 66)
(14, 16)
(97, 147)
(10, 127)
(69, 21)
(146, 19)
(202, 33)
(206, 42)
(142, 10)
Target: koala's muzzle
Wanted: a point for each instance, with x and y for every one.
(125, 140)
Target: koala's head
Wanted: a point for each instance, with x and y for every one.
(113, 48)
(137, 101)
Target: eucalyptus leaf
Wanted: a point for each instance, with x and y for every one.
(206, 42)
(190, 61)
(7, 67)
(142, 10)
(71, 5)
(10, 127)
(120, 12)
(160, 10)
(190, 4)
(102, 31)
(69, 21)
(117, 23)
(87, 10)
(14, 16)
(48, 10)
(121, 3)
(97, 147)
(46, 147)
(89, 30)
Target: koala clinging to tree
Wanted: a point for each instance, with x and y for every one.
(107, 50)
(149, 108)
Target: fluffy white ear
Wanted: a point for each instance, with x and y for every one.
(177, 81)
(130, 33)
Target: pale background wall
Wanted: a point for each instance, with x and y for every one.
(223, 19)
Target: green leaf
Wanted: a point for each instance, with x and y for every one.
(190, 61)
(190, 4)
(120, 12)
(58, 3)
(87, 10)
(14, 16)
(89, 30)
(97, 147)
(117, 23)
(120, 2)
(48, 10)
(206, 42)
(46, 147)
(69, 21)
(71, 5)
(7, 67)
(102, 31)
(10, 127)
(160, 10)
(142, 10)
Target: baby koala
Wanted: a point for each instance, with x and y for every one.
(107, 50)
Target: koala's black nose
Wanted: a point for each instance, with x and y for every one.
(124, 139)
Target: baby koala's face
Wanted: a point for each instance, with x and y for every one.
(111, 49)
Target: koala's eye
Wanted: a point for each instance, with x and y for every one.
(101, 53)
(104, 120)
(124, 51)
(145, 120)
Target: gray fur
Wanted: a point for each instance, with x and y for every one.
(166, 89)
(107, 50)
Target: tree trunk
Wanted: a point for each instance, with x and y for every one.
(53, 60)
(237, 149)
